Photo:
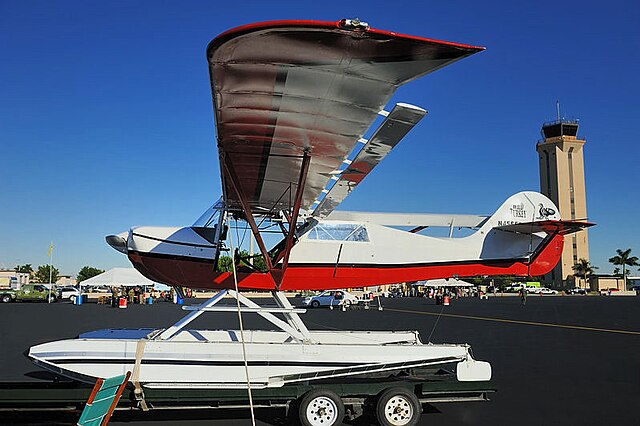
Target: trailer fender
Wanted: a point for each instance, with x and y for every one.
(471, 370)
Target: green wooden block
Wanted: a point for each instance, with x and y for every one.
(94, 413)
(113, 382)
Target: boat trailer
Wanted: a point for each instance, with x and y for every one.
(62, 401)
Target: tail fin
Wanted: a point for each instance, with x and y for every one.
(527, 228)
(523, 207)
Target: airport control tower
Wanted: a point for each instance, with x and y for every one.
(562, 180)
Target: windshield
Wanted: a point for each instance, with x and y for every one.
(210, 217)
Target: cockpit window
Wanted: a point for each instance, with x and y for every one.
(339, 232)
(211, 216)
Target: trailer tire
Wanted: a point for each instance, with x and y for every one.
(320, 407)
(6, 298)
(398, 407)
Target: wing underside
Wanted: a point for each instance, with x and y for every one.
(284, 88)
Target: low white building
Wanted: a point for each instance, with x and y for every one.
(64, 280)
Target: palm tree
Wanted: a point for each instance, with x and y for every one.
(624, 259)
(27, 269)
(583, 269)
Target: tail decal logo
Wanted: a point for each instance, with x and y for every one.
(545, 212)
(517, 210)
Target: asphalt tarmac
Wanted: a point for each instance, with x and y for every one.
(570, 360)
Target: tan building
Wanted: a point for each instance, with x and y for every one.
(562, 180)
(605, 282)
(9, 278)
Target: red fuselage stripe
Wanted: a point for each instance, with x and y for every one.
(185, 273)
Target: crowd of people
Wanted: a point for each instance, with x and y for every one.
(141, 296)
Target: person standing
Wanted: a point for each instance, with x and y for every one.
(523, 296)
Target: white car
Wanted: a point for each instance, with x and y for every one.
(545, 290)
(67, 292)
(330, 298)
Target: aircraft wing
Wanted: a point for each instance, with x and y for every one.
(410, 219)
(284, 88)
(394, 127)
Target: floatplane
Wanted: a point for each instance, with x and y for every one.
(292, 103)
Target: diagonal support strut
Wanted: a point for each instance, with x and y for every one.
(304, 169)
(235, 183)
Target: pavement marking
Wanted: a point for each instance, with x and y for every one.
(540, 324)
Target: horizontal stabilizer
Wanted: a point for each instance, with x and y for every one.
(401, 119)
(561, 227)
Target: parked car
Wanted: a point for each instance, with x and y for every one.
(608, 291)
(28, 292)
(545, 290)
(396, 292)
(99, 289)
(514, 288)
(67, 292)
(330, 298)
(577, 290)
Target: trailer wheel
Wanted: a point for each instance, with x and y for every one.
(398, 407)
(321, 407)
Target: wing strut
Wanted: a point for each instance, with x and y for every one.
(294, 216)
(233, 178)
(235, 183)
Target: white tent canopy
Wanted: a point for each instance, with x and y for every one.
(117, 277)
(449, 282)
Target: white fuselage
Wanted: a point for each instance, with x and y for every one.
(389, 246)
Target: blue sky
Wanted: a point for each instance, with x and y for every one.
(106, 118)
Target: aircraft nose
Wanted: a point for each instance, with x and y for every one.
(118, 241)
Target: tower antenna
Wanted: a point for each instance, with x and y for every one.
(558, 109)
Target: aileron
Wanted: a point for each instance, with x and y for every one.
(393, 128)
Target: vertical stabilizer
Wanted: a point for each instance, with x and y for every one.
(523, 207)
